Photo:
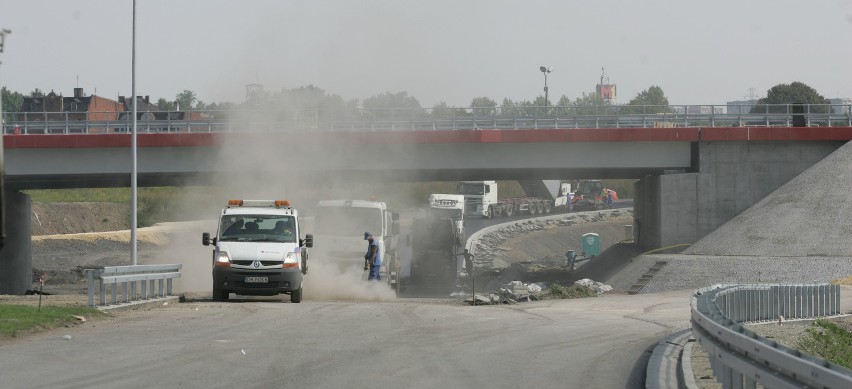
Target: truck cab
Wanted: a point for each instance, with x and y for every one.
(479, 197)
(257, 250)
(339, 226)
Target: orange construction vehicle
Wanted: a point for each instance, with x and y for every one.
(591, 195)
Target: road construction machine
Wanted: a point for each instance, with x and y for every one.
(591, 195)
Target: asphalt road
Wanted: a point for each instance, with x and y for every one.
(410, 343)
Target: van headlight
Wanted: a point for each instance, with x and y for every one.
(222, 259)
(291, 260)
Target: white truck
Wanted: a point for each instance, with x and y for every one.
(257, 250)
(339, 227)
(449, 206)
(544, 196)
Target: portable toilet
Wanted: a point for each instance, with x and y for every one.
(591, 244)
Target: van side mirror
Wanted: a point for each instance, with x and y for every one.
(308, 241)
(205, 238)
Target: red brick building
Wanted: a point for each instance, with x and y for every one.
(58, 110)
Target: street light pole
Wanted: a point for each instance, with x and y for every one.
(545, 70)
(133, 188)
(3, 33)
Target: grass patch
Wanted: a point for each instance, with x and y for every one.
(559, 292)
(829, 341)
(16, 318)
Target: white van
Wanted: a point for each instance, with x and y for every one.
(257, 250)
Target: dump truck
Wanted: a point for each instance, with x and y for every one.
(434, 245)
(451, 206)
(543, 197)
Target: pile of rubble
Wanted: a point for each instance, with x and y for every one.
(517, 291)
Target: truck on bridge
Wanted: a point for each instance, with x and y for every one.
(543, 197)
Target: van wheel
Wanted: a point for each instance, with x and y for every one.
(296, 296)
(220, 295)
(489, 212)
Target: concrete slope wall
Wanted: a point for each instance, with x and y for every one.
(733, 176)
(810, 215)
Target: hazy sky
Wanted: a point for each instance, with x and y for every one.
(706, 52)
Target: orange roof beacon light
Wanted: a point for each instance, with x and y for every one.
(235, 202)
(282, 203)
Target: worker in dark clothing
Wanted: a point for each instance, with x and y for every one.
(373, 257)
(234, 228)
(609, 197)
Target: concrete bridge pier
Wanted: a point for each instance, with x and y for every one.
(16, 262)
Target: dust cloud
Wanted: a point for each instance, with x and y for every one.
(327, 281)
(270, 163)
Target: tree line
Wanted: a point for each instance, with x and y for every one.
(287, 100)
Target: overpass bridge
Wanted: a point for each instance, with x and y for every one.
(692, 179)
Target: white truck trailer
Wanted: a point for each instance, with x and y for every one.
(544, 196)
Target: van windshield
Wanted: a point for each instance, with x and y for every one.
(348, 221)
(258, 228)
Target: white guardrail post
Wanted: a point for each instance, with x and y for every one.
(122, 277)
(740, 358)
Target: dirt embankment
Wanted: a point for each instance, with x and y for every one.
(72, 218)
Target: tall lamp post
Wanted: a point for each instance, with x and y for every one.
(3, 33)
(545, 70)
(133, 166)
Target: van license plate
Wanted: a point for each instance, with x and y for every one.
(259, 280)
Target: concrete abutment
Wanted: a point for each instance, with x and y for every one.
(681, 208)
(16, 270)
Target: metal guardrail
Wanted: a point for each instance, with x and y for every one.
(122, 277)
(422, 119)
(740, 358)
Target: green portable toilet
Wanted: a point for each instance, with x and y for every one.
(591, 244)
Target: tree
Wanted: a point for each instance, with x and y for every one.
(483, 106)
(391, 104)
(165, 105)
(649, 101)
(523, 108)
(11, 100)
(780, 96)
(36, 93)
(442, 110)
(187, 100)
